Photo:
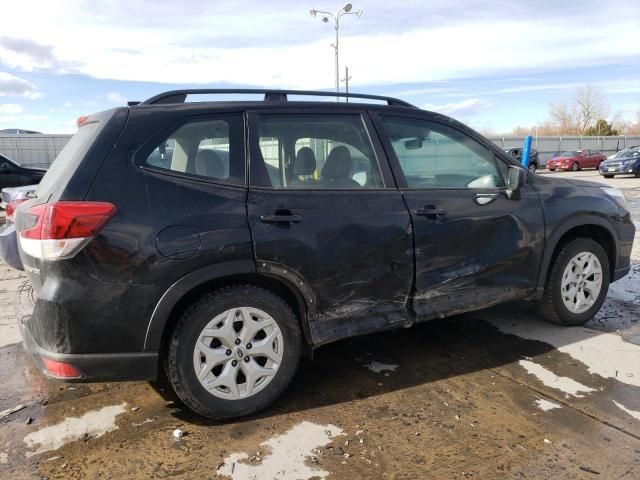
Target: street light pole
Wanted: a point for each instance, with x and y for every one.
(346, 10)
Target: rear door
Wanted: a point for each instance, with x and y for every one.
(325, 215)
(474, 247)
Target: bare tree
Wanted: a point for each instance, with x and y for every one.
(582, 111)
(590, 105)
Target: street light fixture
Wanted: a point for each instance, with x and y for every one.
(346, 10)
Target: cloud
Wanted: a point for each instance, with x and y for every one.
(12, 86)
(10, 108)
(279, 45)
(463, 108)
(116, 97)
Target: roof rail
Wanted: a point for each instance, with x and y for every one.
(179, 96)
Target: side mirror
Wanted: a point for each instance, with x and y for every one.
(516, 178)
(5, 167)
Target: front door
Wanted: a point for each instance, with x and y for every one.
(474, 246)
(326, 216)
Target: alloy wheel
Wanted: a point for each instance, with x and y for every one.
(238, 353)
(581, 282)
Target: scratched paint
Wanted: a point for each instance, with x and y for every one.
(287, 457)
(94, 424)
(550, 379)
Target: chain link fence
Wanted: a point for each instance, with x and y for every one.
(41, 150)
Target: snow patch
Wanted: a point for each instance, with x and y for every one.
(604, 354)
(550, 379)
(546, 405)
(378, 367)
(633, 413)
(289, 452)
(94, 424)
(4, 458)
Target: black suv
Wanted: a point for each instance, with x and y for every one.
(224, 240)
(14, 175)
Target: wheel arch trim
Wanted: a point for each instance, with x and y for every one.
(175, 293)
(580, 220)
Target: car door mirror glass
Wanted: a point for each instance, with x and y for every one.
(516, 177)
(5, 167)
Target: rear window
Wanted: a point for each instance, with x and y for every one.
(73, 152)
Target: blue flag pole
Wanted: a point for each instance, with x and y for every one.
(526, 149)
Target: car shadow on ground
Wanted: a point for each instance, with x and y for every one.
(423, 355)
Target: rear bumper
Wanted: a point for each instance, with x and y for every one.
(91, 366)
(95, 367)
(9, 246)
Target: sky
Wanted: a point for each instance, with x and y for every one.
(493, 65)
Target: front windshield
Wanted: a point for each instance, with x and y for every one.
(569, 153)
(629, 152)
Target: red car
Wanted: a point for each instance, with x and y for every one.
(576, 160)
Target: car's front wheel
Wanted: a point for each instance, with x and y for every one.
(234, 351)
(577, 283)
(533, 167)
(575, 167)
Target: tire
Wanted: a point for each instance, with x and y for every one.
(182, 356)
(575, 167)
(552, 307)
(552, 169)
(608, 176)
(533, 167)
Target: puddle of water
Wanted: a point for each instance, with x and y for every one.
(95, 424)
(287, 458)
(546, 405)
(550, 379)
(605, 354)
(633, 413)
(378, 367)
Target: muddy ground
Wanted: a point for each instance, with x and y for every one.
(491, 394)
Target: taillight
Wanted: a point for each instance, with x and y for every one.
(11, 208)
(60, 369)
(59, 230)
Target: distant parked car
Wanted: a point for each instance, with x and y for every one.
(15, 175)
(627, 162)
(534, 158)
(18, 131)
(11, 198)
(576, 160)
(623, 152)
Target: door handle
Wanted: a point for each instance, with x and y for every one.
(431, 212)
(276, 218)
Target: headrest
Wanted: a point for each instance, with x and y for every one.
(338, 164)
(209, 164)
(305, 163)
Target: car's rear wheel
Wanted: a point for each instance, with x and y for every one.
(552, 169)
(577, 283)
(575, 167)
(234, 352)
(533, 167)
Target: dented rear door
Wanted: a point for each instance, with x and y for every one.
(340, 234)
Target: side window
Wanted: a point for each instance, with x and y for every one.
(321, 151)
(433, 155)
(212, 148)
